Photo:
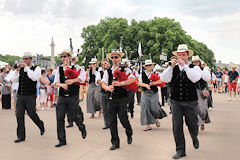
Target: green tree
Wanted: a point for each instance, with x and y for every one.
(156, 36)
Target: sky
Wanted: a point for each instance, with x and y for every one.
(29, 25)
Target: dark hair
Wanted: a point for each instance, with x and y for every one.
(43, 71)
(50, 69)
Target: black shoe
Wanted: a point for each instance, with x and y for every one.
(129, 140)
(69, 125)
(106, 127)
(60, 144)
(54, 104)
(132, 115)
(81, 100)
(179, 155)
(114, 147)
(42, 130)
(84, 134)
(19, 140)
(196, 143)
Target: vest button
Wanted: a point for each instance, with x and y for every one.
(180, 97)
(180, 84)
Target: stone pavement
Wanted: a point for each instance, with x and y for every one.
(220, 141)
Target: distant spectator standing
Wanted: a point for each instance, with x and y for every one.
(6, 90)
(51, 77)
(232, 85)
(219, 75)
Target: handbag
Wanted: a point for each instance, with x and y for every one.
(204, 94)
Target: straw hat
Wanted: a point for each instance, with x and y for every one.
(93, 61)
(27, 55)
(196, 58)
(65, 51)
(148, 62)
(121, 54)
(183, 48)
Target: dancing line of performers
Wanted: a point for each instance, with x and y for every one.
(111, 91)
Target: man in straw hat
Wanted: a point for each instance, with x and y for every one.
(68, 100)
(232, 85)
(182, 76)
(27, 93)
(118, 98)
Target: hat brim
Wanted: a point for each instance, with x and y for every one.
(92, 62)
(27, 56)
(149, 64)
(110, 54)
(69, 53)
(190, 52)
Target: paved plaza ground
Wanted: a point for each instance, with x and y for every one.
(220, 141)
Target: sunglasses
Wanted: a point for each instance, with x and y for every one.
(27, 58)
(148, 65)
(63, 56)
(114, 57)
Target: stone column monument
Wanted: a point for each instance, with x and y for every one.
(52, 55)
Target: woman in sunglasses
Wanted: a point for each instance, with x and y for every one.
(150, 107)
(93, 91)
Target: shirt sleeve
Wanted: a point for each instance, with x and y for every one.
(57, 77)
(82, 76)
(206, 75)
(105, 77)
(167, 74)
(131, 74)
(194, 74)
(98, 77)
(33, 75)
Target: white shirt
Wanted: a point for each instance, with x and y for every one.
(33, 75)
(206, 75)
(82, 75)
(13, 76)
(214, 77)
(105, 76)
(194, 74)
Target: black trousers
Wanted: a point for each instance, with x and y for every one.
(104, 107)
(27, 103)
(131, 95)
(164, 95)
(79, 112)
(189, 110)
(118, 107)
(138, 97)
(71, 105)
(6, 101)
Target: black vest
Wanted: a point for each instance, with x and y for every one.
(147, 81)
(119, 92)
(92, 76)
(73, 90)
(182, 88)
(26, 85)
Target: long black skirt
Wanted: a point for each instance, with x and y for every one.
(6, 101)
